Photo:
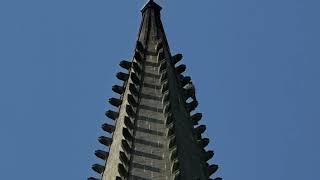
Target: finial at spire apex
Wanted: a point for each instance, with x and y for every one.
(151, 4)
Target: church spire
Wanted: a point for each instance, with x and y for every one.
(154, 132)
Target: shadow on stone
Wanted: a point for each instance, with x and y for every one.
(149, 108)
(152, 120)
(148, 131)
(148, 143)
(147, 168)
(151, 86)
(147, 155)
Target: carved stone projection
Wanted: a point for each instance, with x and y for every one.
(155, 132)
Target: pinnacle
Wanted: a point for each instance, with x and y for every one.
(151, 4)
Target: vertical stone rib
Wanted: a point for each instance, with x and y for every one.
(148, 159)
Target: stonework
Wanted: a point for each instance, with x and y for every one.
(155, 134)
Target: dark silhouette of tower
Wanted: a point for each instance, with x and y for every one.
(156, 133)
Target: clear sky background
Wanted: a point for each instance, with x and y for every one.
(255, 65)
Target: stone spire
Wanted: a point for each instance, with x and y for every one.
(155, 133)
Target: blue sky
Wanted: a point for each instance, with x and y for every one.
(255, 65)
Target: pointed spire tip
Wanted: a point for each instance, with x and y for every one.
(151, 4)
